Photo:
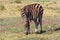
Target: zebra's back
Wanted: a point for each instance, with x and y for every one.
(32, 11)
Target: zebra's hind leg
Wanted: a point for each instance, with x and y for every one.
(36, 25)
(40, 22)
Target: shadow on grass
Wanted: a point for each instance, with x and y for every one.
(49, 32)
(57, 29)
(41, 32)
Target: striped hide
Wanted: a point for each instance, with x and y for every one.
(32, 12)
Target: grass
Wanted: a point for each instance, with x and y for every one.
(2, 7)
(15, 32)
(9, 21)
(17, 1)
(12, 26)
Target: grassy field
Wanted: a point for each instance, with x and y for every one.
(11, 23)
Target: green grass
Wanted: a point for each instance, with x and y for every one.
(9, 21)
(10, 32)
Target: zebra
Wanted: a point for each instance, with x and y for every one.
(32, 12)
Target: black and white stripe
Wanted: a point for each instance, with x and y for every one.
(32, 8)
(32, 12)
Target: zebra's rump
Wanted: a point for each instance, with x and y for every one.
(32, 11)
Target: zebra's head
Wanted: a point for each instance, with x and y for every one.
(22, 14)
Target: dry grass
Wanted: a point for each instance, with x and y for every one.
(11, 25)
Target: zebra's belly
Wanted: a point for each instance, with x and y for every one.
(29, 18)
(32, 18)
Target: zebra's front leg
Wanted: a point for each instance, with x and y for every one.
(27, 27)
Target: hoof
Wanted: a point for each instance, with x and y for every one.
(27, 33)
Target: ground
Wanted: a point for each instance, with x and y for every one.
(11, 23)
